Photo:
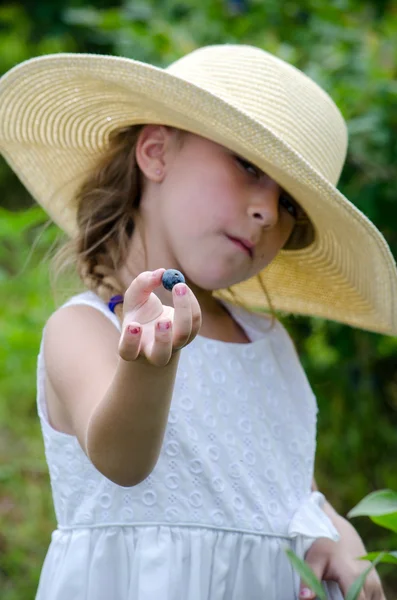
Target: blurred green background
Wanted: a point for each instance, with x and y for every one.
(349, 47)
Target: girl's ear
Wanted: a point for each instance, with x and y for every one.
(152, 151)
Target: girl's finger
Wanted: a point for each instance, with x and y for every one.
(182, 326)
(141, 288)
(373, 587)
(317, 566)
(345, 581)
(130, 341)
(196, 317)
(305, 592)
(160, 352)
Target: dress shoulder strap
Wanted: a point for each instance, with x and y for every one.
(91, 299)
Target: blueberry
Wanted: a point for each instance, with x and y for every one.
(171, 277)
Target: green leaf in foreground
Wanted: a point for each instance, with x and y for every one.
(387, 557)
(356, 587)
(386, 521)
(381, 502)
(306, 574)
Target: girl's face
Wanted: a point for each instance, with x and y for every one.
(213, 215)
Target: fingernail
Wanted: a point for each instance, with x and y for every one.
(306, 593)
(181, 290)
(133, 329)
(163, 326)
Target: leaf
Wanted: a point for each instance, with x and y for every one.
(387, 557)
(356, 587)
(387, 521)
(381, 502)
(306, 574)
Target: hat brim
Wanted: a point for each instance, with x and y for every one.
(56, 115)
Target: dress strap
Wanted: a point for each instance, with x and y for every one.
(91, 299)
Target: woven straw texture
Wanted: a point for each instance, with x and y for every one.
(57, 111)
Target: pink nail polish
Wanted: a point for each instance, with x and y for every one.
(133, 329)
(181, 290)
(164, 326)
(306, 593)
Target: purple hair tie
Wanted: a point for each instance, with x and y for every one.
(114, 301)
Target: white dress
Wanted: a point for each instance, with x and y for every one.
(231, 489)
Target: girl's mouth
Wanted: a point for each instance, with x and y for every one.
(240, 244)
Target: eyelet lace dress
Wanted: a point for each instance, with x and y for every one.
(230, 491)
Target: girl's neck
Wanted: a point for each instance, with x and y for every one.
(217, 322)
(224, 329)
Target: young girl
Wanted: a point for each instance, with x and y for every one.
(179, 427)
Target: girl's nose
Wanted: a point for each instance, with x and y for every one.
(264, 205)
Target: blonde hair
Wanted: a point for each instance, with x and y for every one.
(108, 203)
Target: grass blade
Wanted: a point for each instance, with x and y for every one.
(307, 574)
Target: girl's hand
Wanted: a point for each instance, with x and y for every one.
(337, 561)
(152, 330)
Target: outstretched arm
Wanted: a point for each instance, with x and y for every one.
(116, 390)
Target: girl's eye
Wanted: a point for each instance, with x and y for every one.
(249, 167)
(289, 204)
(285, 200)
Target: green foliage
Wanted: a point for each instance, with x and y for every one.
(380, 503)
(387, 557)
(381, 507)
(26, 514)
(348, 46)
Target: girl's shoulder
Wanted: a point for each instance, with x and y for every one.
(91, 299)
(77, 360)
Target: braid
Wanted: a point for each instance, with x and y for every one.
(100, 277)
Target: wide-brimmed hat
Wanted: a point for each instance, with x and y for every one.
(58, 111)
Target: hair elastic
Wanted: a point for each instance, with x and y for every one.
(114, 301)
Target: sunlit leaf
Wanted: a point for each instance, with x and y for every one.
(377, 503)
(386, 521)
(386, 557)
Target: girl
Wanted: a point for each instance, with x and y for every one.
(179, 427)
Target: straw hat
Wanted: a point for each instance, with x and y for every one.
(57, 111)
